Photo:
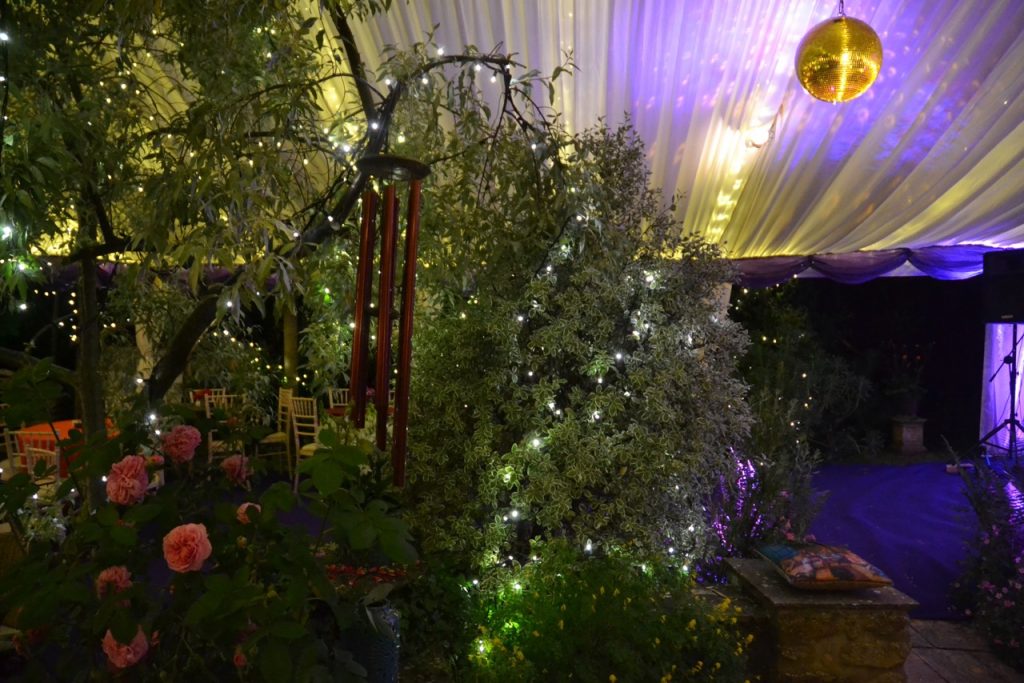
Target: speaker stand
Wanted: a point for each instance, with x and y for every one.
(1011, 422)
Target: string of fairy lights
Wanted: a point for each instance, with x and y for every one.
(338, 143)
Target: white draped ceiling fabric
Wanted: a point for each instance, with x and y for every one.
(928, 165)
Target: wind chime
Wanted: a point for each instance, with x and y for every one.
(390, 171)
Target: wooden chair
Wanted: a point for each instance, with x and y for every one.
(305, 426)
(23, 440)
(214, 403)
(51, 458)
(337, 401)
(13, 454)
(278, 442)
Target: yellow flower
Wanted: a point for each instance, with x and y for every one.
(561, 625)
(692, 624)
(750, 638)
(657, 641)
(602, 590)
(536, 634)
(616, 592)
(519, 654)
(612, 678)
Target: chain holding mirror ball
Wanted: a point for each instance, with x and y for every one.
(390, 171)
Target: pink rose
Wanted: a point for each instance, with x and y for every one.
(127, 480)
(236, 467)
(123, 656)
(242, 515)
(181, 442)
(118, 579)
(186, 547)
(239, 659)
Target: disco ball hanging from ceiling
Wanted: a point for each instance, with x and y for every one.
(839, 58)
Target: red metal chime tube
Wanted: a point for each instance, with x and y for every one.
(388, 169)
(364, 286)
(385, 303)
(412, 235)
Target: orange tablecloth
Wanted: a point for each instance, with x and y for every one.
(63, 429)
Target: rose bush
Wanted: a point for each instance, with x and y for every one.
(199, 578)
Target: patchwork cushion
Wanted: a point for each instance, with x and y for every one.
(812, 566)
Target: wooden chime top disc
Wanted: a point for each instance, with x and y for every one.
(391, 167)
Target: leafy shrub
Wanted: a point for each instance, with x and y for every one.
(574, 382)
(992, 588)
(801, 393)
(568, 616)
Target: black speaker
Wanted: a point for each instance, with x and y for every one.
(1003, 281)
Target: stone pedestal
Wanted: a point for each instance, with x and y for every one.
(908, 435)
(829, 636)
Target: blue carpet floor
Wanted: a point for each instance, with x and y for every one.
(911, 521)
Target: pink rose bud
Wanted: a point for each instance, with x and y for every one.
(242, 514)
(122, 656)
(236, 467)
(117, 579)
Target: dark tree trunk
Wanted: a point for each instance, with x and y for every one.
(290, 326)
(89, 376)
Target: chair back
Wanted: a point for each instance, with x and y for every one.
(224, 402)
(35, 455)
(305, 419)
(11, 446)
(284, 405)
(26, 439)
(337, 398)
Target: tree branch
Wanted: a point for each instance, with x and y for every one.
(174, 360)
(355, 60)
(15, 360)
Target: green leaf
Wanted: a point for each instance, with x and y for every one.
(362, 535)
(275, 661)
(124, 535)
(378, 593)
(278, 497)
(108, 515)
(123, 626)
(327, 477)
(74, 591)
(289, 630)
(202, 608)
(398, 548)
(218, 584)
(141, 514)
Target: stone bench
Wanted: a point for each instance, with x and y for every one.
(827, 636)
